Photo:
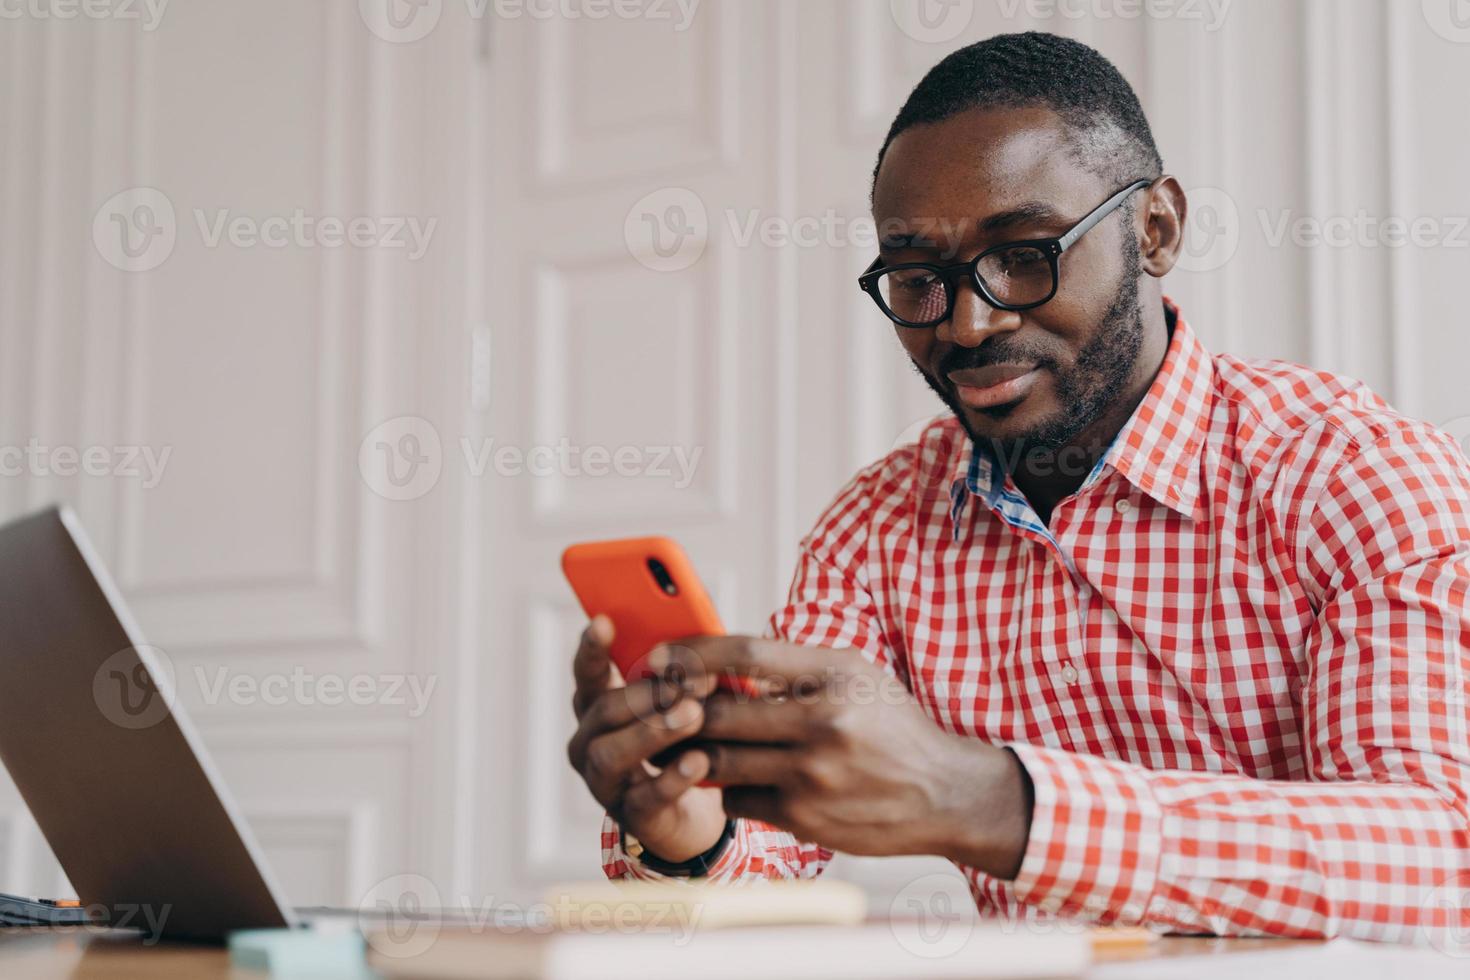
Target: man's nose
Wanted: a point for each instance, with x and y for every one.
(975, 321)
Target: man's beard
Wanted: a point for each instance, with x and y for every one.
(1100, 374)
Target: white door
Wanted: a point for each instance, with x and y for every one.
(659, 282)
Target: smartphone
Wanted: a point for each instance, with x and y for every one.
(649, 590)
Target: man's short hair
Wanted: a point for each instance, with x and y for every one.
(1109, 133)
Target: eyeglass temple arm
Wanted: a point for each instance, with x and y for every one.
(1100, 212)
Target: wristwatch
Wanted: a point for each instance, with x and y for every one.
(695, 867)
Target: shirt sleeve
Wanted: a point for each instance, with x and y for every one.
(828, 605)
(1374, 841)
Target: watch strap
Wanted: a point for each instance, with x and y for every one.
(696, 867)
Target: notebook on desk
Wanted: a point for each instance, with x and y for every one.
(912, 950)
(675, 932)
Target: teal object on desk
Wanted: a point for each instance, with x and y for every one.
(301, 953)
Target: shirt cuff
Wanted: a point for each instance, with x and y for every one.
(1096, 837)
(618, 864)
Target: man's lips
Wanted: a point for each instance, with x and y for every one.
(995, 384)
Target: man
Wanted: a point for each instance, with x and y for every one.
(1140, 635)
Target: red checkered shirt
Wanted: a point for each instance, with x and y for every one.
(1233, 666)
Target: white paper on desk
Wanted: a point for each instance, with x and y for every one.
(1340, 959)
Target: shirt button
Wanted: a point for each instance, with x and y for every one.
(1123, 506)
(1069, 674)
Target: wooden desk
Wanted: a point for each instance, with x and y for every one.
(75, 954)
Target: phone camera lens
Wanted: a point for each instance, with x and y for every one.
(662, 577)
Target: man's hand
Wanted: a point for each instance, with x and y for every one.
(839, 753)
(624, 726)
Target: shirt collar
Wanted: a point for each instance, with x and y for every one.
(1157, 450)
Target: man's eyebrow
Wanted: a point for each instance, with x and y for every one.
(895, 242)
(1031, 212)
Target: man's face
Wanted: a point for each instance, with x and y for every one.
(1038, 377)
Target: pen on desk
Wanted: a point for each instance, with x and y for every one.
(1111, 940)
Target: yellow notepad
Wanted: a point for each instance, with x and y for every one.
(598, 906)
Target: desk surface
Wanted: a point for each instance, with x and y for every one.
(75, 954)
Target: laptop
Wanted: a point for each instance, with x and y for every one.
(115, 776)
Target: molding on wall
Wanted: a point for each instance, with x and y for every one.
(345, 832)
(1400, 148)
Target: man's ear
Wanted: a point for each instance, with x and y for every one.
(1162, 228)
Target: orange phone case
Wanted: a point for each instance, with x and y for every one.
(613, 579)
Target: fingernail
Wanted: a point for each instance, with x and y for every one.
(683, 713)
(689, 765)
(658, 659)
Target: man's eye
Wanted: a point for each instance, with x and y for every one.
(1021, 258)
(914, 280)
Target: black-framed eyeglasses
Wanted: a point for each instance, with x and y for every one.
(1013, 276)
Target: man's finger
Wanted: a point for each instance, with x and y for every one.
(748, 765)
(749, 656)
(649, 701)
(610, 760)
(592, 666)
(735, 719)
(648, 796)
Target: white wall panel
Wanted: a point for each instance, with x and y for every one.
(263, 551)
